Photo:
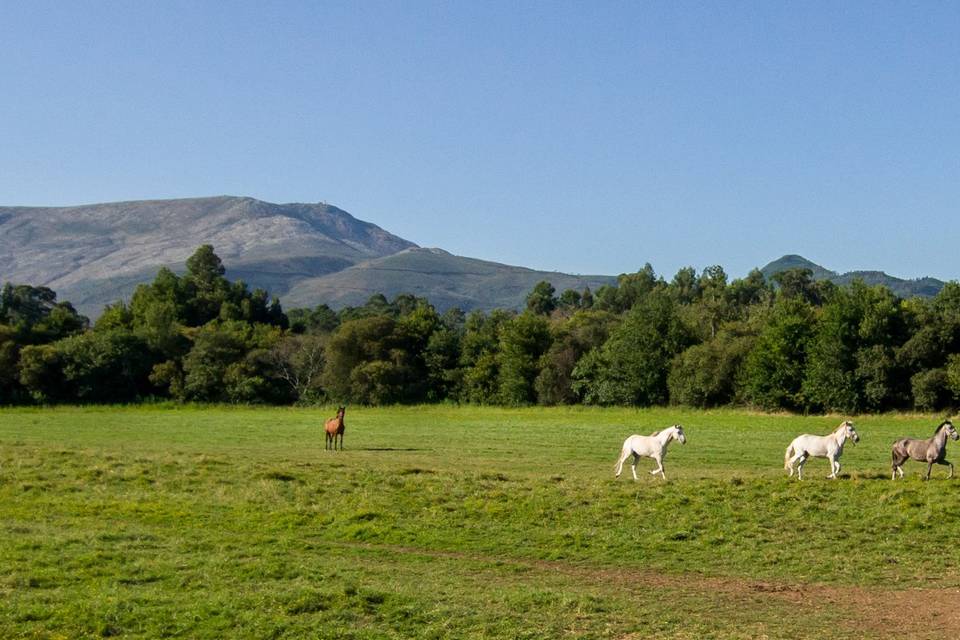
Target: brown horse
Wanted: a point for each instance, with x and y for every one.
(334, 428)
(932, 451)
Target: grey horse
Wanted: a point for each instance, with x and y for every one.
(932, 451)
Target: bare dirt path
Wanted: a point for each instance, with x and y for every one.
(866, 611)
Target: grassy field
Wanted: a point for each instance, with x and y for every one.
(440, 522)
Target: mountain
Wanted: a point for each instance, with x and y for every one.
(306, 254)
(445, 279)
(797, 262)
(96, 254)
(924, 287)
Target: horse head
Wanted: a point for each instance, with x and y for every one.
(678, 434)
(851, 431)
(951, 430)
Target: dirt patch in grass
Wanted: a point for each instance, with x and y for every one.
(874, 612)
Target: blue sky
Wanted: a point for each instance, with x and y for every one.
(582, 137)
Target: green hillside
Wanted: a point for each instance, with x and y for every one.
(793, 261)
(924, 287)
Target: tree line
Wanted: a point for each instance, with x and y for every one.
(699, 340)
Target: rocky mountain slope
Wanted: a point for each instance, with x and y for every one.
(306, 254)
(96, 254)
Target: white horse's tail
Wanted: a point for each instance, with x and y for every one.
(786, 457)
(618, 464)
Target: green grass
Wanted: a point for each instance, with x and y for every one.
(455, 522)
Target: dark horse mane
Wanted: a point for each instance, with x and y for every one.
(942, 425)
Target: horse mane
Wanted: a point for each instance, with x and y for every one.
(941, 426)
(655, 433)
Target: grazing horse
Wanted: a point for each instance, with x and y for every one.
(932, 451)
(334, 428)
(829, 446)
(653, 446)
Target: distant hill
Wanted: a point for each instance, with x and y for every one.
(96, 254)
(445, 279)
(924, 287)
(306, 254)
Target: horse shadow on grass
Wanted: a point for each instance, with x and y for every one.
(856, 475)
(391, 449)
(865, 475)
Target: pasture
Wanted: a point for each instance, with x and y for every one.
(443, 522)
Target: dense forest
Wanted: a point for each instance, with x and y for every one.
(698, 340)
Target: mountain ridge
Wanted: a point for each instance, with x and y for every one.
(444, 278)
(305, 253)
(905, 288)
(95, 254)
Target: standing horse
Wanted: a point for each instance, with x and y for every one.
(829, 446)
(334, 428)
(652, 446)
(932, 451)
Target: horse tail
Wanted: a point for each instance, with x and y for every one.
(622, 456)
(899, 451)
(786, 457)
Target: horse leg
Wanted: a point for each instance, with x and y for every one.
(835, 466)
(800, 457)
(633, 466)
(659, 469)
(929, 468)
(947, 463)
(897, 459)
(803, 460)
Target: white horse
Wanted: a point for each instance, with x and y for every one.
(829, 446)
(653, 446)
